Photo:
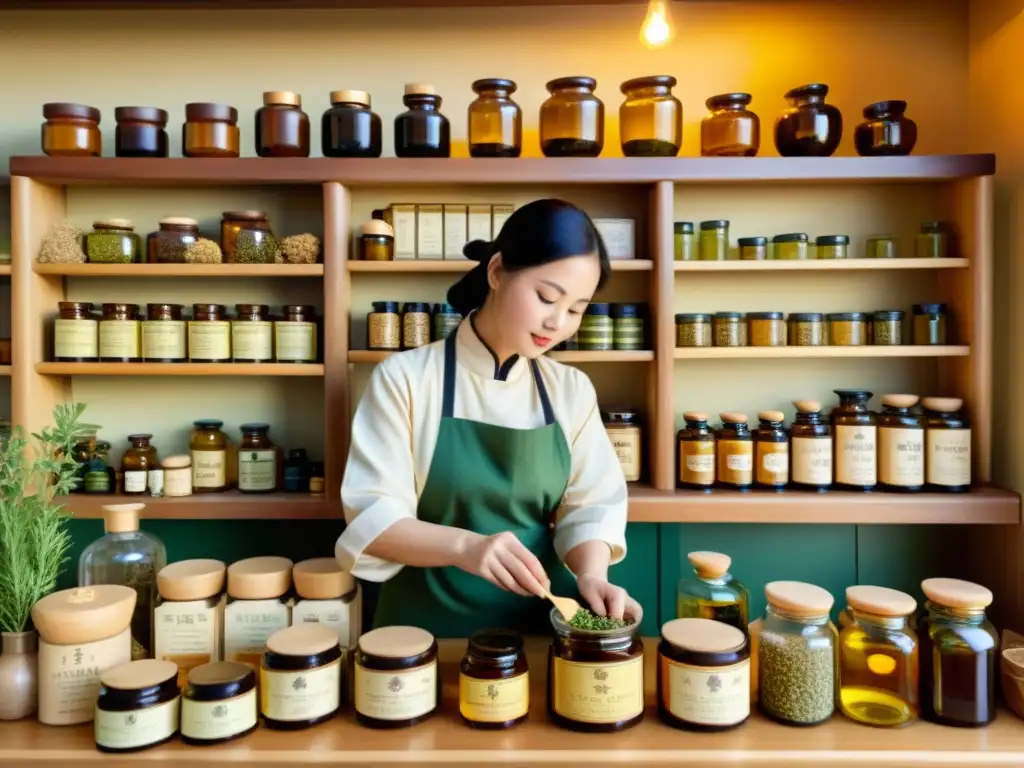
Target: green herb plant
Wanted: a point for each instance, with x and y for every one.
(34, 540)
(584, 619)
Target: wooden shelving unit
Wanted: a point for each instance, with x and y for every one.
(572, 357)
(179, 369)
(431, 267)
(820, 265)
(179, 270)
(814, 353)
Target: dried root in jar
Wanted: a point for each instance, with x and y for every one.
(203, 251)
(301, 249)
(62, 245)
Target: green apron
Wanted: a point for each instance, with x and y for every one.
(487, 479)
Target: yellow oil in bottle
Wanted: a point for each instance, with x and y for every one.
(711, 592)
(878, 676)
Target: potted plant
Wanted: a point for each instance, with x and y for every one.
(34, 543)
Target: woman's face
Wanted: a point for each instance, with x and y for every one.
(541, 307)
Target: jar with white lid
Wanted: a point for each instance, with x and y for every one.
(259, 604)
(188, 621)
(177, 476)
(328, 596)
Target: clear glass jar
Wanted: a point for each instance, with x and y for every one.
(209, 449)
(624, 431)
(136, 463)
(806, 329)
(771, 451)
(729, 329)
(75, 333)
(296, 334)
(257, 460)
(730, 129)
(712, 592)
(252, 334)
(209, 334)
(384, 327)
(422, 131)
(810, 127)
(696, 443)
(734, 446)
(168, 244)
(210, 130)
(572, 119)
(495, 120)
(597, 331)
(832, 246)
(651, 118)
(494, 680)
(887, 328)
(112, 241)
(847, 329)
(947, 445)
(71, 130)
(282, 128)
(685, 244)
(753, 248)
(140, 132)
(878, 658)
(930, 324)
(119, 334)
(246, 238)
(766, 329)
(932, 242)
(693, 330)
(882, 247)
(810, 447)
(886, 130)
(790, 246)
(163, 334)
(714, 240)
(349, 128)
(855, 455)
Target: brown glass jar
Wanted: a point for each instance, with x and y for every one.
(257, 460)
(75, 333)
(771, 451)
(136, 463)
(163, 334)
(120, 334)
(855, 427)
(651, 118)
(246, 238)
(900, 445)
(209, 334)
(422, 131)
(696, 453)
(168, 244)
(296, 334)
(349, 128)
(494, 680)
(71, 130)
(209, 450)
(766, 329)
(396, 679)
(495, 121)
(377, 241)
(300, 677)
(810, 448)
(947, 445)
(885, 130)
(210, 130)
(810, 127)
(730, 129)
(140, 132)
(734, 446)
(572, 119)
(252, 334)
(847, 329)
(282, 128)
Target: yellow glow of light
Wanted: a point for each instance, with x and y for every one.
(657, 30)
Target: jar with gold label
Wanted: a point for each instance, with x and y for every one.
(792, 246)
(396, 678)
(714, 240)
(282, 128)
(209, 334)
(71, 130)
(883, 246)
(766, 329)
(219, 703)
(376, 241)
(494, 680)
(947, 445)
(384, 327)
(614, 658)
(703, 676)
(930, 324)
(258, 460)
(210, 130)
(75, 333)
(684, 242)
(693, 330)
(300, 677)
(810, 448)
(415, 325)
(495, 120)
(887, 328)
(753, 248)
(259, 604)
(832, 246)
(136, 463)
(623, 427)
(771, 451)
(730, 129)
(328, 596)
(188, 621)
(209, 448)
(806, 329)
(696, 453)
(296, 334)
(163, 334)
(252, 337)
(855, 427)
(651, 118)
(119, 338)
(735, 453)
(900, 445)
(137, 707)
(729, 329)
(572, 119)
(847, 329)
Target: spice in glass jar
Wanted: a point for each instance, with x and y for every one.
(811, 448)
(684, 242)
(163, 334)
(252, 336)
(136, 464)
(771, 451)
(623, 427)
(377, 241)
(384, 327)
(735, 448)
(246, 238)
(766, 329)
(596, 328)
(696, 453)
(932, 241)
(730, 330)
(887, 328)
(209, 449)
(882, 247)
(494, 680)
(209, 334)
(446, 321)
(75, 333)
(847, 329)
(119, 340)
(693, 330)
(930, 324)
(791, 246)
(627, 326)
(806, 329)
(257, 460)
(947, 445)
(714, 240)
(753, 248)
(415, 325)
(112, 241)
(296, 334)
(169, 244)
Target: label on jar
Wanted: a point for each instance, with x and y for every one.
(901, 456)
(384, 331)
(213, 720)
(248, 624)
(812, 460)
(598, 693)
(706, 695)
(134, 481)
(296, 342)
(257, 470)
(69, 677)
(396, 695)
(163, 340)
(494, 701)
(736, 462)
(697, 460)
(949, 457)
(208, 469)
(856, 455)
(187, 633)
(252, 340)
(75, 338)
(136, 728)
(178, 482)
(209, 340)
(300, 696)
(119, 338)
(626, 442)
(773, 463)
(335, 614)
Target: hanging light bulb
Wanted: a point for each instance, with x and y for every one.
(657, 30)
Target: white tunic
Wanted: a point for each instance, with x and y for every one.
(395, 430)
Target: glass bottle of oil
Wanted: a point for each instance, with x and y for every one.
(712, 593)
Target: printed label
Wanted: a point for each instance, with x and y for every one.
(773, 467)
(211, 720)
(598, 693)
(209, 340)
(257, 470)
(163, 340)
(479, 222)
(335, 614)
(706, 696)
(252, 340)
(494, 701)
(901, 456)
(119, 338)
(812, 460)
(455, 229)
(296, 342)
(304, 695)
(155, 479)
(134, 481)
(403, 220)
(208, 469)
(429, 232)
(178, 482)
(626, 443)
(128, 730)
(75, 338)
(248, 624)
(949, 457)
(186, 633)
(856, 455)
(69, 677)
(736, 462)
(398, 695)
(698, 459)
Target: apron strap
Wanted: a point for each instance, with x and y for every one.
(545, 401)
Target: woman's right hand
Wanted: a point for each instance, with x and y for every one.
(504, 561)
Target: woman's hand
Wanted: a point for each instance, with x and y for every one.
(504, 561)
(606, 599)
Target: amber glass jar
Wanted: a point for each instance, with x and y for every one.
(246, 238)
(810, 127)
(696, 453)
(900, 445)
(349, 128)
(377, 241)
(136, 463)
(209, 449)
(140, 132)
(735, 453)
(422, 131)
(252, 334)
(651, 118)
(168, 244)
(753, 248)
(810, 448)
(578, 657)
(300, 677)
(296, 334)
(572, 119)
(885, 130)
(71, 129)
(210, 130)
(847, 329)
(75, 333)
(793, 245)
(282, 128)
(257, 460)
(771, 451)
(163, 334)
(855, 427)
(947, 445)
(495, 121)
(209, 334)
(730, 129)
(494, 680)
(120, 334)
(396, 678)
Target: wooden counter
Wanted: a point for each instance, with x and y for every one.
(444, 741)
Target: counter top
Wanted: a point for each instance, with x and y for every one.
(446, 741)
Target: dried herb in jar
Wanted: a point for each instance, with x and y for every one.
(797, 679)
(255, 247)
(584, 619)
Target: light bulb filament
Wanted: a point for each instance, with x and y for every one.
(656, 31)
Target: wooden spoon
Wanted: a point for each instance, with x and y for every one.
(565, 605)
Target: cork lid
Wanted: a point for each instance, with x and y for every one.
(900, 401)
(943, 404)
(121, 518)
(377, 227)
(733, 417)
(84, 614)
(957, 594)
(710, 565)
(797, 598)
(191, 580)
(139, 675)
(703, 635)
(807, 406)
(695, 416)
(350, 97)
(180, 221)
(422, 89)
(286, 98)
(321, 578)
(396, 642)
(880, 601)
(113, 224)
(302, 640)
(259, 578)
(771, 416)
(177, 462)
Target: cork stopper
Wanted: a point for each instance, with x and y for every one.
(943, 404)
(113, 224)
(377, 227)
(957, 594)
(703, 635)
(286, 98)
(396, 642)
(180, 221)
(321, 578)
(121, 518)
(797, 598)
(191, 580)
(695, 416)
(733, 417)
(900, 401)
(771, 416)
(84, 614)
(710, 565)
(351, 97)
(139, 675)
(259, 578)
(880, 601)
(302, 640)
(807, 406)
(420, 89)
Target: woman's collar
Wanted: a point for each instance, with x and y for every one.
(478, 357)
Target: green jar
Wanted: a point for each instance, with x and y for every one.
(932, 241)
(790, 247)
(887, 328)
(714, 240)
(684, 240)
(112, 241)
(832, 246)
(753, 248)
(627, 326)
(882, 247)
(597, 331)
(445, 321)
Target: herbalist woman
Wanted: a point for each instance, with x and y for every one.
(480, 471)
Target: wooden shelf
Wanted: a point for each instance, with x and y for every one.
(230, 505)
(818, 265)
(180, 270)
(448, 171)
(180, 369)
(5, 370)
(5, 269)
(575, 357)
(464, 265)
(193, 5)
(783, 353)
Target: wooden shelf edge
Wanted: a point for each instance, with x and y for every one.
(572, 357)
(180, 270)
(5, 370)
(230, 505)
(5, 268)
(819, 265)
(180, 369)
(778, 353)
(464, 265)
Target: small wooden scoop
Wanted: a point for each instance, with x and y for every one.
(565, 605)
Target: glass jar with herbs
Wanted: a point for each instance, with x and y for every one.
(711, 592)
(887, 328)
(684, 241)
(422, 131)
(693, 330)
(572, 119)
(282, 128)
(140, 132)
(209, 449)
(71, 130)
(246, 238)
(806, 329)
(209, 334)
(811, 448)
(947, 445)
(210, 130)
(696, 452)
(112, 241)
(252, 334)
(136, 464)
(415, 324)
(296, 334)
(932, 241)
(257, 460)
(163, 334)
(119, 334)
(651, 118)
(900, 445)
(75, 333)
(384, 327)
(349, 128)
(855, 426)
(495, 120)
(168, 244)
(734, 446)
(729, 329)
(714, 240)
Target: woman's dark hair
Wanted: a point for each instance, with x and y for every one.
(538, 233)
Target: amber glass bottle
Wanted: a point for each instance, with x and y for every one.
(810, 127)
(651, 118)
(696, 453)
(136, 463)
(422, 131)
(855, 455)
(71, 130)
(282, 128)
(735, 449)
(947, 445)
(572, 119)
(730, 129)
(771, 451)
(885, 130)
(900, 445)
(495, 121)
(810, 448)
